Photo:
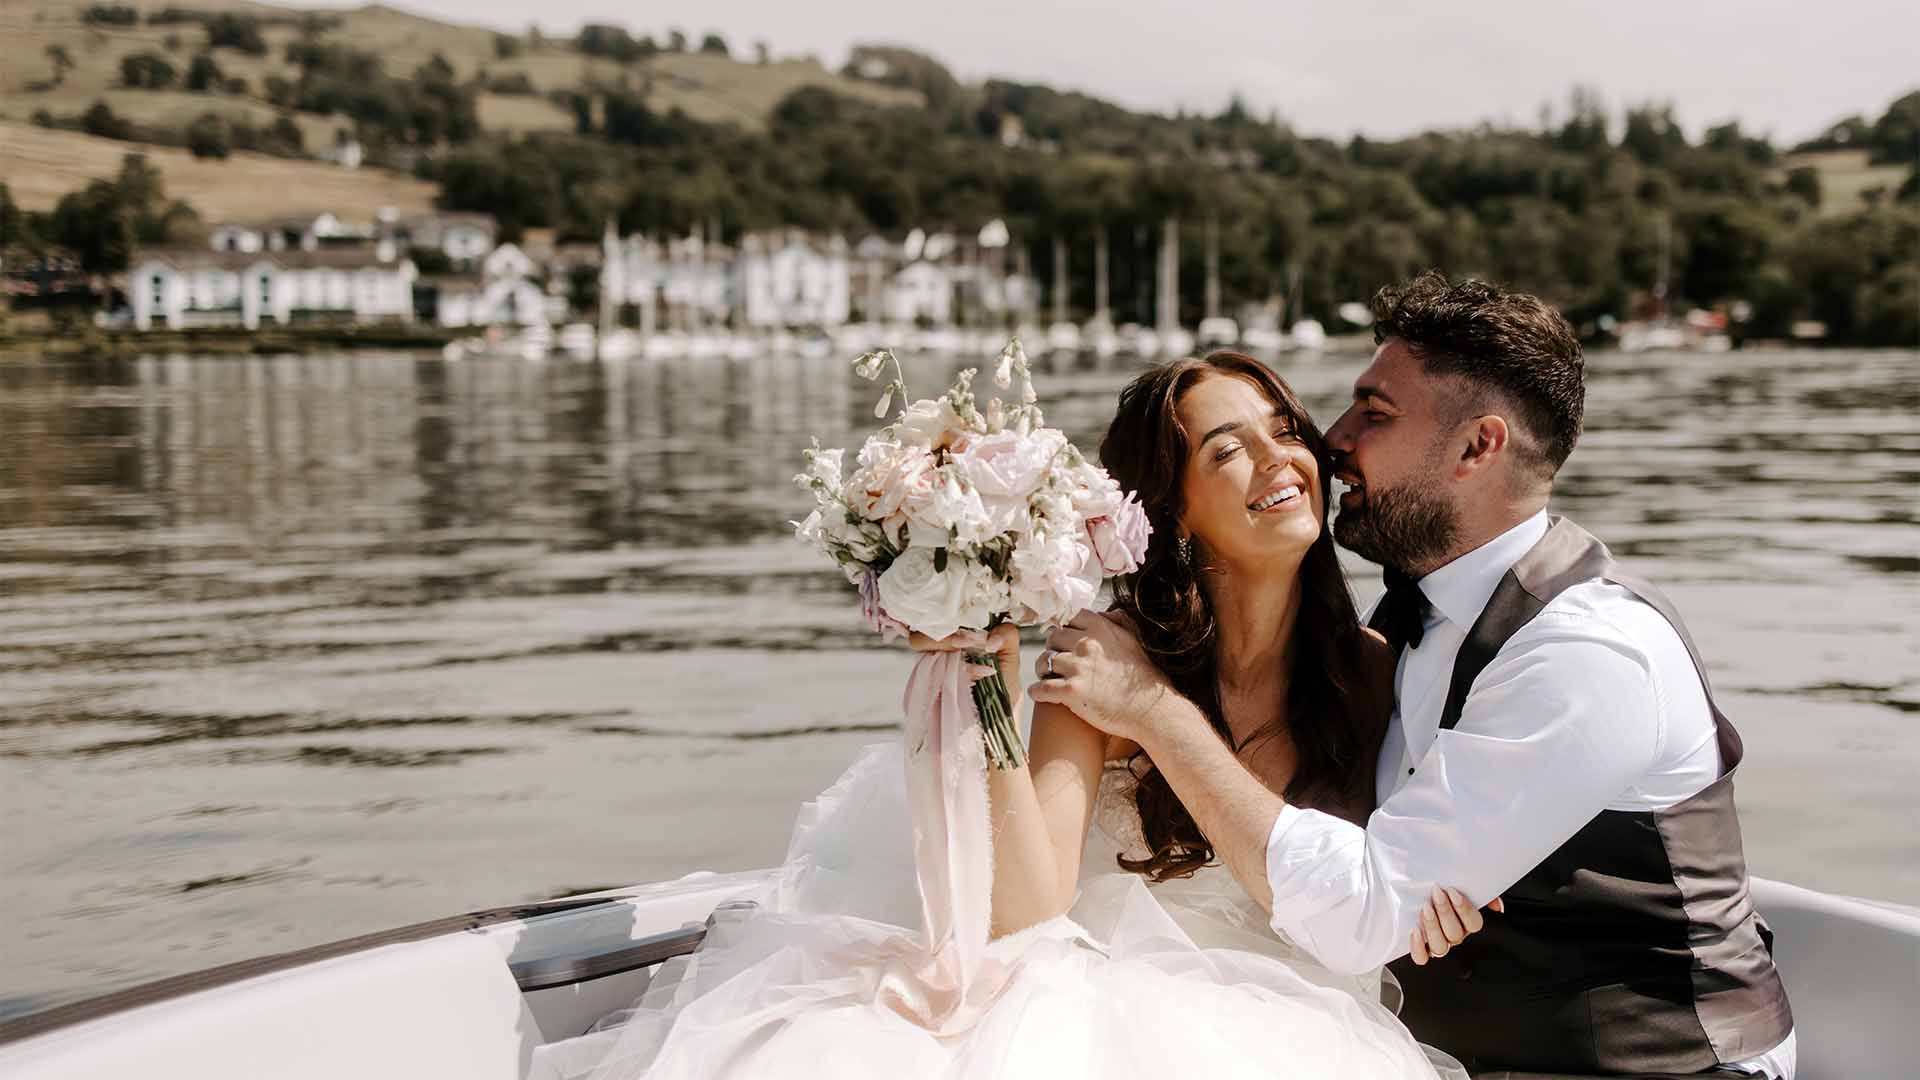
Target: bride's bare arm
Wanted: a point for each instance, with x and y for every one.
(1040, 816)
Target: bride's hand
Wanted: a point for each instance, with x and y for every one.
(1446, 920)
(1003, 641)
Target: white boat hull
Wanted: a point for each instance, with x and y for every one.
(482, 997)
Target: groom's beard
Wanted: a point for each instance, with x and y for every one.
(1409, 528)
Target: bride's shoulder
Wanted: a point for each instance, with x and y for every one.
(1119, 750)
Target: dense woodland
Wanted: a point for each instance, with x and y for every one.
(1585, 206)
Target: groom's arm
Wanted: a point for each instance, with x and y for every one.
(1562, 722)
(1559, 725)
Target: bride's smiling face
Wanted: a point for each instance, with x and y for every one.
(1252, 484)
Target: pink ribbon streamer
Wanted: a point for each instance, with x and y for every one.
(948, 988)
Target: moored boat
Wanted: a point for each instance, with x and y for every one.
(1217, 331)
(492, 995)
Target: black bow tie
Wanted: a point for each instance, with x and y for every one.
(1401, 616)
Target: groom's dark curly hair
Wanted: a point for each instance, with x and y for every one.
(1335, 713)
(1503, 345)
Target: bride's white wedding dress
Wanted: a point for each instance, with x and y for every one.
(1162, 982)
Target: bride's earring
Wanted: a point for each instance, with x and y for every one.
(1184, 548)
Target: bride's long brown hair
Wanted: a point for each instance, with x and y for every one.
(1333, 713)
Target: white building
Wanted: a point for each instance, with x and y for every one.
(920, 294)
(685, 283)
(788, 278)
(504, 293)
(178, 289)
(937, 279)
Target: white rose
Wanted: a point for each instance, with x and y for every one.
(939, 603)
(1053, 579)
(888, 477)
(953, 508)
(930, 423)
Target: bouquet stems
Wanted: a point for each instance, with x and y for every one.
(998, 728)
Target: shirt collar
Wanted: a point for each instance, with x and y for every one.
(1460, 590)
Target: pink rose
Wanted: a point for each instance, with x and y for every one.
(1120, 540)
(1009, 465)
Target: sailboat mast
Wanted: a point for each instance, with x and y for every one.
(1101, 312)
(1666, 262)
(1059, 278)
(1213, 267)
(1167, 318)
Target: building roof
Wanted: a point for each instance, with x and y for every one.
(298, 223)
(363, 258)
(773, 240)
(449, 218)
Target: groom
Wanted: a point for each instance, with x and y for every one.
(1554, 741)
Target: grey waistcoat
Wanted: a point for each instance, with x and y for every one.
(1634, 948)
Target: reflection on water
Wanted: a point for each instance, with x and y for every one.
(296, 647)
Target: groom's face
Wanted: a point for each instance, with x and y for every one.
(1390, 450)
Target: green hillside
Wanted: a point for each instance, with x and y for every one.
(1593, 207)
(58, 58)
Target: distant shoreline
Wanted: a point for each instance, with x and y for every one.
(229, 340)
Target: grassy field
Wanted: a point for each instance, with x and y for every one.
(40, 165)
(711, 88)
(1846, 178)
(715, 89)
(520, 113)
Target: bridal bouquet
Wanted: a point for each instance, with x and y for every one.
(962, 516)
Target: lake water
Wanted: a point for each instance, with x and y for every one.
(295, 648)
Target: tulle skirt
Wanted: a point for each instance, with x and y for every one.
(1181, 979)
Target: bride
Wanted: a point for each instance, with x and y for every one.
(1122, 949)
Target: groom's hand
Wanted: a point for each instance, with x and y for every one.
(1096, 667)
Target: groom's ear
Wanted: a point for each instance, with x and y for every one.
(1487, 439)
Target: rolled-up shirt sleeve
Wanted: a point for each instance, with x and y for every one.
(1559, 724)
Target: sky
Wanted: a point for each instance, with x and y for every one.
(1382, 68)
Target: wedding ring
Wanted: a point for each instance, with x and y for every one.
(1050, 673)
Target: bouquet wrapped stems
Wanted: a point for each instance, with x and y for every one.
(998, 727)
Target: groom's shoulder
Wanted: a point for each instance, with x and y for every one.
(1602, 614)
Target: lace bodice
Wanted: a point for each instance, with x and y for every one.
(1116, 814)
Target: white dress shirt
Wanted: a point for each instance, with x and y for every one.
(1593, 705)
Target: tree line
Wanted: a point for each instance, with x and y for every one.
(1595, 207)
(1592, 208)
(101, 225)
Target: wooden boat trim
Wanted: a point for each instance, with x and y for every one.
(80, 1012)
